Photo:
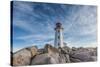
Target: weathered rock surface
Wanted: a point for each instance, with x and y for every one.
(23, 56)
(41, 59)
(74, 60)
(52, 55)
(34, 50)
(84, 55)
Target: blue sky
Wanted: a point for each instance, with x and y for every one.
(34, 23)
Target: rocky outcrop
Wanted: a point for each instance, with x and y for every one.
(51, 55)
(83, 55)
(23, 56)
(41, 59)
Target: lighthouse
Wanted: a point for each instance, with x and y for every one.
(58, 35)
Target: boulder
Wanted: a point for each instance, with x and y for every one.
(41, 59)
(49, 49)
(34, 50)
(52, 55)
(67, 49)
(83, 55)
(74, 48)
(93, 58)
(47, 59)
(21, 58)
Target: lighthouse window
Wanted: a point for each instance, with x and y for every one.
(58, 37)
(58, 44)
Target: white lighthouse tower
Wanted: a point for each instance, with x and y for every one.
(58, 36)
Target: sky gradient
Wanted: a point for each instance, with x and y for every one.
(34, 23)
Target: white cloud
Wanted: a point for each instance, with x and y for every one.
(80, 22)
(24, 25)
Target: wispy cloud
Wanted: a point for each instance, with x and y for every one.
(34, 23)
